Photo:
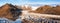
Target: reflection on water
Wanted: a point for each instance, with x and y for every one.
(40, 20)
(18, 21)
(4, 20)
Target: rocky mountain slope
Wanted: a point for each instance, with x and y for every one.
(43, 14)
(10, 11)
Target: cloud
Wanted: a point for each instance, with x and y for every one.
(40, 2)
(32, 2)
(44, 3)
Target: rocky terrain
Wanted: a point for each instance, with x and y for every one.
(43, 14)
(9, 11)
(39, 18)
(48, 10)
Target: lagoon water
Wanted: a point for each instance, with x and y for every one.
(4, 20)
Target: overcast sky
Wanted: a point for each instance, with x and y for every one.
(31, 2)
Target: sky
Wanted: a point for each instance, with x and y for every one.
(31, 2)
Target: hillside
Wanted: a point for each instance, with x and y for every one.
(9, 11)
(25, 14)
(48, 10)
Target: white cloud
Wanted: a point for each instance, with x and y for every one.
(29, 2)
(44, 3)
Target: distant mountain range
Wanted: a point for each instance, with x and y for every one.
(12, 12)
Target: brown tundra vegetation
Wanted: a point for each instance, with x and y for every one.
(48, 10)
(10, 12)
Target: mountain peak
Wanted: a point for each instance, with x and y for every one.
(10, 12)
